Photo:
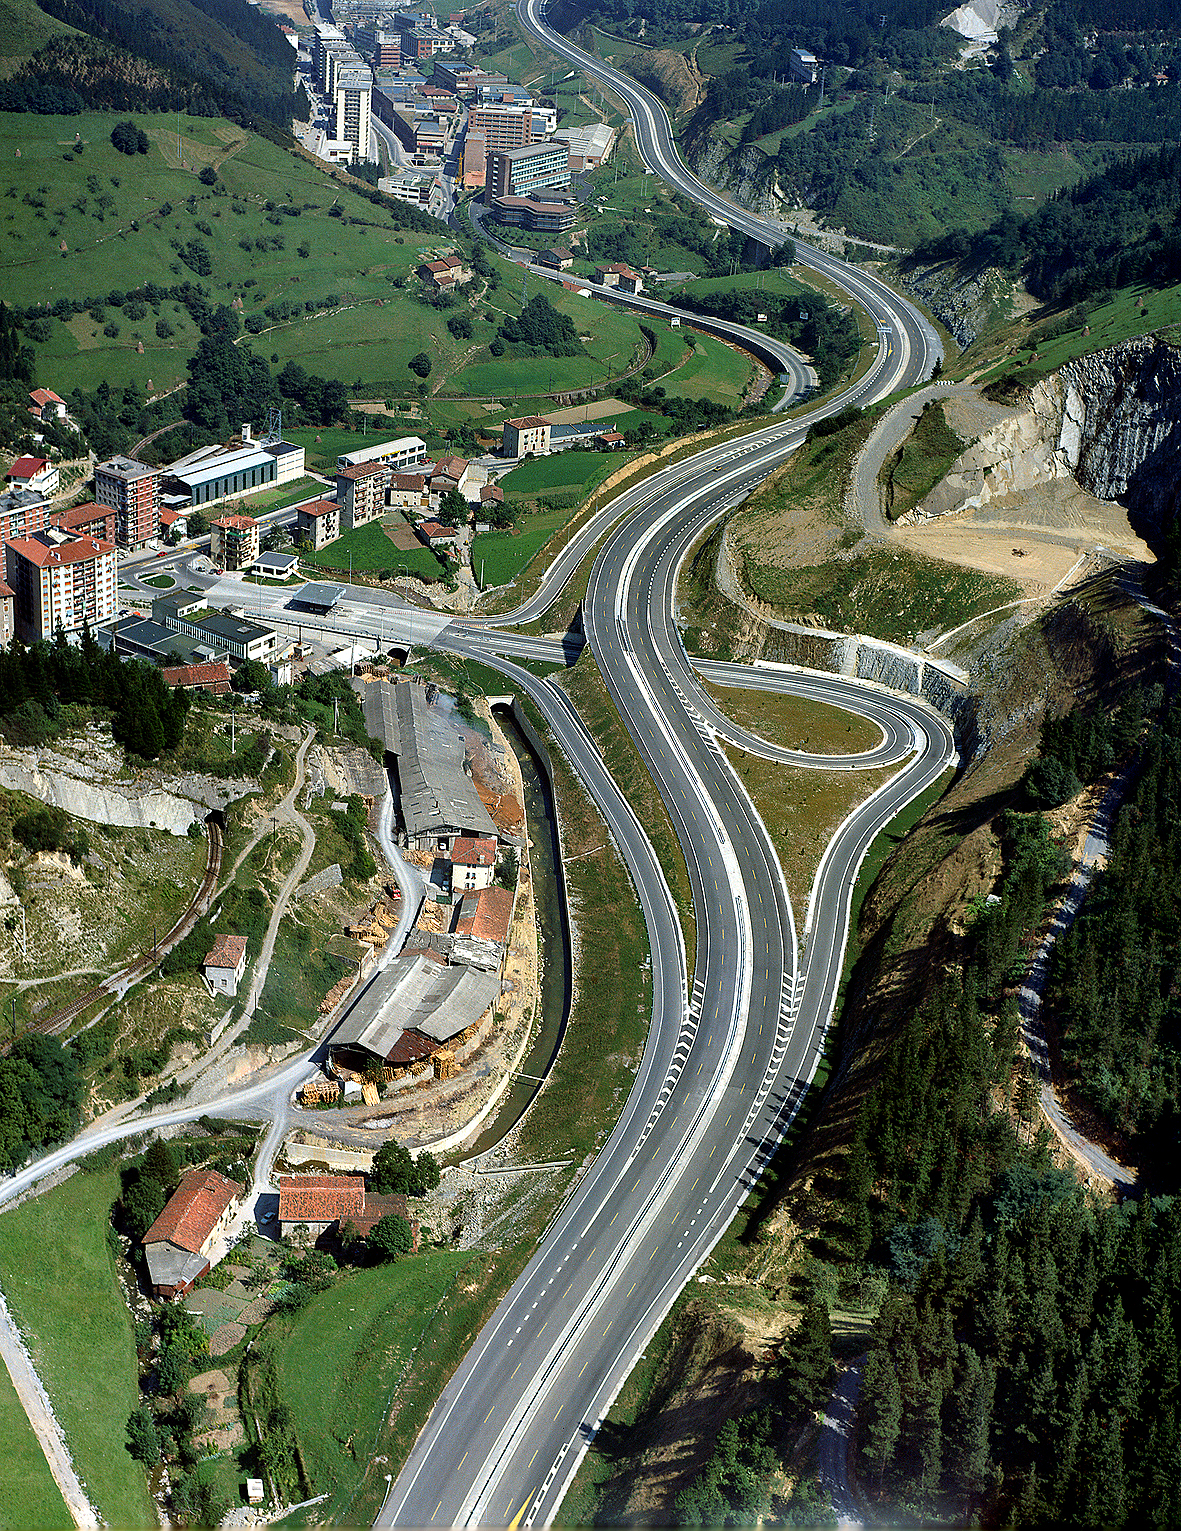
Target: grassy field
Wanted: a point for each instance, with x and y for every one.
(498, 557)
(373, 552)
(1132, 311)
(571, 469)
(62, 1290)
(80, 225)
(345, 1354)
(28, 1494)
(714, 371)
(796, 723)
(802, 810)
(323, 444)
(885, 594)
(586, 687)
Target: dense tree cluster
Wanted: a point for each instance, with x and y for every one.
(321, 400)
(129, 139)
(233, 54)
(1078, 747)
(1113, 984)
(1120, 226)
(819, 328)
(395, 1171)
(36, 682)
(40, 1096)
(541, 330)
(227, 384)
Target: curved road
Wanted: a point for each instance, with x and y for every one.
(728, 1062)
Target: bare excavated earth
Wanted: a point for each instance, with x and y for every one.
(1033, 532)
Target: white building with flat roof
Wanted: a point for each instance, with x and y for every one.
(401, 453)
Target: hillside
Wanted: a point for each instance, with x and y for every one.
(210, 56)
(908, 136)
(315, 272)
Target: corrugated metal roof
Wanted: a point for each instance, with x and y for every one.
(436, 795)
(418, 993)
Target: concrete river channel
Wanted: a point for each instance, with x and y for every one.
(555, 968)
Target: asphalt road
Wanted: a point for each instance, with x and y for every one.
(727, 1061)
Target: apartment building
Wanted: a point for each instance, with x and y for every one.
(361, 493)
(132, 489)
(233, 542)
(58, 578)
(526, 171)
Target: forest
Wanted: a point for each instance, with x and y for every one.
(37, 683)
(817, 327)
(1115, 228)
(227, 51)
(1113, 990)
(40, 1097)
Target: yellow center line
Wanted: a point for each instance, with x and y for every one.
(609, 1323)
(439, 1506)
(634, 1285)
(566, 1293)
(516, 1369)
(533, 1459)
(463, 1458)
(488, 1416)
(561, 1406)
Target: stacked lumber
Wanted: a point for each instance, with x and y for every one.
(316, 1091)
(445, 1064)
(337, 992)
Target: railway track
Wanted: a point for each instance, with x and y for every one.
(53, 1025)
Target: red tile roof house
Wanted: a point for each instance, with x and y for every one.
(214, 678)
(486, 915)
(46, 405)
(473, 863)
(226, 963)
(436, 535)
(324, 1203)
(179, 1242)
(35, 473)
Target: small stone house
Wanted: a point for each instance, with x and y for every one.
(225, 963)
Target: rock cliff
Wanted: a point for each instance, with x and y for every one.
(1110, 421)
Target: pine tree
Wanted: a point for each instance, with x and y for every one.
(880, 1409)
(969, 1436)
(807, 1371)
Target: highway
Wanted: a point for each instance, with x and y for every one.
(730, 1053)
(729, 1059)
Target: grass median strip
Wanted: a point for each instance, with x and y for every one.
(796, 722)
(587, 690)
(802, 810)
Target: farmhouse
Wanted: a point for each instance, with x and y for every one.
(179, 1243)
(325, 1203)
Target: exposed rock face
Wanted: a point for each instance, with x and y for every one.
(100, 791)
(965, 302)
(1121, 426)
(1110, 421)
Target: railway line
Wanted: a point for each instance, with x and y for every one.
(120, 982)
